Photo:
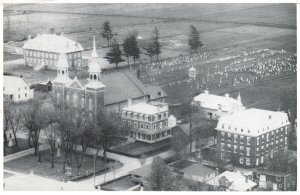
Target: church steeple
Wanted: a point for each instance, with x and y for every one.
(62, 69)
(94, 69)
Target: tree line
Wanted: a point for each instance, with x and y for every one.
(132, 47)
(70, 130)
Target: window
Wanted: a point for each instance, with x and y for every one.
(160, 125)
(19, 89)
(241, 160)
(223, 126)
(154, 126)
(257, 162)
(267, 137)
(257, 140)
(135, 125)
(235, 138)
(142, 126)
(247, 161)
(278, 178)
(146, 126)
(90, 104)
(286, 130)
(229, 134)
(262, 159)
(82, 102)
(25, 88)
(285, 140)
(242, 130)
(222, 146)
(129, 123)
(25, 94)
(241, 138)
(234, 148)
(229, 127)
(19, 96)
(165, 123)
(248, 151)
(248, 140)
(229, 145)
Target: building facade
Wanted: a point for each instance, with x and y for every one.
(16, 89)
(88, 95)
(213, 106)
(249, 138)
(44, 50)
(147, 123)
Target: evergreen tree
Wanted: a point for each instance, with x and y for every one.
(106, 32)
(115, 55)
(131, 48)
(156, 44)
(126, 48)
(150, 49)
(194, 39)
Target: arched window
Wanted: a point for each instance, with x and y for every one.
(95, 77)
(82, 102)
(91, 76)
(62, 72)
(75, 100)
(90, 104)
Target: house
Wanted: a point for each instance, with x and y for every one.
(215, 106)
(198, 172)
(16, 89)
(232, 181)
(250, 137)
(45, 86)
(44, 50)
(148, 123)
(274, 181)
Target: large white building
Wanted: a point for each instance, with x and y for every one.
(148, 123)
(44, 50)
(215, 106)
(251, 137)
(16, 89)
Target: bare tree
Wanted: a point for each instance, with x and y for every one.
(34, 121)
(5, 126)
(14, 118)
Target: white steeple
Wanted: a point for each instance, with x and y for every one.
(94, 70)
(62, 69)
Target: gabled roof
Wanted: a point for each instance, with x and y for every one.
(215, 102)
(253, 121)
(155, 92)
(121, 86)
(53, 43)
(237, 180)
(12, 83)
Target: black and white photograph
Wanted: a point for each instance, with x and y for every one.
(148, 96)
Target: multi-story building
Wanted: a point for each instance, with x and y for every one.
(16, 89)
(213, 106)
(148, 123)
(250, 137)
(44, 50)
(274, 181)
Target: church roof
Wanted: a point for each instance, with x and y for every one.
(53, 43)
(155, 92)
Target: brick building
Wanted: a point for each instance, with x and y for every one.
(250, 137)
(214, 106)
(71, 92)
(148, 123)
(274, 181)
(44, 50)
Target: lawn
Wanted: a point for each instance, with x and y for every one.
(138, 149)
(30, 164)
(22, 144)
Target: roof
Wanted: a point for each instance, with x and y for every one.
(62, 61)
(198, 170)
(192, 68)
(146, 108)
(273, 173)
(253, 122)
(237, 180)
(121, 86)
(227, 104)
(53, 43)
(155, 92)
(143, 171)
(12, 83)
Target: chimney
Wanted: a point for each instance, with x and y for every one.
(52, 31)
(29, 37)
(226, 95)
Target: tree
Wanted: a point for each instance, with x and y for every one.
(14, 118)
(34, 121)
(130, 46)
(106, 32)
(6, 115)
(51, 130)
(178, 142)
(149, 47)
(194, 39)
(156, 44)
(115, 55)
(161, 178)
(288, 98)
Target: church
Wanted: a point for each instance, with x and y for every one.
(112, 91)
